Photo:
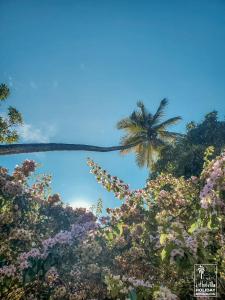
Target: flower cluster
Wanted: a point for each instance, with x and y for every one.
(209, 196)
(137, 282)
(8, 271)
(35, 230)
(155, 236)
(179, 235)
(12, 189)
(112, 183)
(23, 171)
(61, 238)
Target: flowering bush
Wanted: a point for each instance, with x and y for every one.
(144, 249)
(37, 231)
(159, 233)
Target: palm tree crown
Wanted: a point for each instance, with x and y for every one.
(147, 133)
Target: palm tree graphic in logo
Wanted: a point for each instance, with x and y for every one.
(201, 270)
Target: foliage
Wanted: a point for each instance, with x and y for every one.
(4, 92)
(147, 133)
(161, 231)
(144, 249)
(36, 230)
(8, 123)
(97, 209)
(185, 157)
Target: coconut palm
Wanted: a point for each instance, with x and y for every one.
(147, 133)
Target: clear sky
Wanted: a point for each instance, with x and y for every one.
(77, 67)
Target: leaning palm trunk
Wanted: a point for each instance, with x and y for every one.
(44, 147)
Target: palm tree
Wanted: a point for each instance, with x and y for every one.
(201, 270)
(147, 133)
(144, 136)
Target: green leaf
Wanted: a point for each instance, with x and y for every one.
(163, 237)
(193, 227)
(163, 254)
(119, 228)
(108, 187)
(109, 236)
(209, 224)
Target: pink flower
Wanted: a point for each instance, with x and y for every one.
(8, 271)
(24, 265)
(28, 167)
(48, 243)
(12, 189)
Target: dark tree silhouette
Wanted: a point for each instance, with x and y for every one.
(186, 156)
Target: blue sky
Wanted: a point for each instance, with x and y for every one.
(77, 67)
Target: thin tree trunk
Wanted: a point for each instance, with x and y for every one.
(44, 147)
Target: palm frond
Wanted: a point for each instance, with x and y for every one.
(169, 136)
(140, 157)
(146, 154)
(171, 121)
(160, 111)
(149, 155)
(136, 117)
(129, 126)
(153, 155)
(131, 140)
(144, 111)
(124, 123)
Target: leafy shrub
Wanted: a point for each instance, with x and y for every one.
(144, 249)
